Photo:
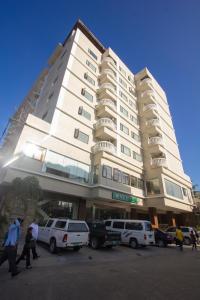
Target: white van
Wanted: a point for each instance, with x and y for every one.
(133, 232)
(63, 233)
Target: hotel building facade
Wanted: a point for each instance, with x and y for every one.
(99, 138)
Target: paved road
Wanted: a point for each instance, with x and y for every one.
(118, 274)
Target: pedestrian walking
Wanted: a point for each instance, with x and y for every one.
(10, 247)
(34, 226)
(26, 249)
(193, 240)
(179, 238)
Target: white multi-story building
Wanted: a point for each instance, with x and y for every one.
(99, 138)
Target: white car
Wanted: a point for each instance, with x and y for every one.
(63, 233)
(186, 233)
(133, 232)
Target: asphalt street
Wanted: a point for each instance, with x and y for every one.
(121, 273)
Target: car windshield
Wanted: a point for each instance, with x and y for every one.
(148, 226)
(100, 226)
(77, 227)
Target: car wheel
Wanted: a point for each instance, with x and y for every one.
(77, 248)
(94, 243)
(133, 243)
(161, 243)
(52, 246)
(187, 241)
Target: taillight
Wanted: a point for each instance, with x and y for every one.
(145, 237)
(65, 238)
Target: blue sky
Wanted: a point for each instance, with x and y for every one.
(162, 35)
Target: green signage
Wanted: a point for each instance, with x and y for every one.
(124, 197)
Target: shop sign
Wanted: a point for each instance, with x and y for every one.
(125, 197)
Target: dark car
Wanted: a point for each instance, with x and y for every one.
(100, 237)
(162, 239)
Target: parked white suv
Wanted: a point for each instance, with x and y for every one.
(133, 232)
(186, 233)
(63, 233)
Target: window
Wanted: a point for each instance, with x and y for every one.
(125, 150)
(84, 113)
(137, 182)
(134, 119)
(44, 115)
(118, 225)
(92, 54)
(124, 128)
(77, 227)
(153, 186)
(87, 95)
(125, 178)
(140, 184)
(123, 82)
(55, 80)
(122, 71)
(51, 95)
(148, 226)
(132, 91)
(135, 136)
(133, 181)
(117, 175)
(123, 96)
(91, 66)
(81, 136)
(66, 167)
(133, 226)
(184, 192)
(137, 156)
(107, 172)
(60, 224)
(63, 54)
(34, 151)
(173, 189)
(89, 79)
(123, 111)
(131, 79)
(132, 104)
(108, 223)
(49, 223)
(185, 229)
(42, 223)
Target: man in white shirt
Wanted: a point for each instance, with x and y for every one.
(34, 226)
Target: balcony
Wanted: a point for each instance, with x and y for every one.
(107, 90)
(153, 122)
(108, 61)
(106, 108)
(146, 84)
(105, 122)
(156, 140)
(159, 162)
(150, 107)
(148, 96)
(104, 146)
(110, 72)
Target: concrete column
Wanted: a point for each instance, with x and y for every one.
(133, 214)
(171, 218)
(82, 209)
(153, 217)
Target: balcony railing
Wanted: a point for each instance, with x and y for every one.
(153, 122)
(147, 81)
(156, 140)
(150, 107)
(106, 102)
(104, 146)
(109, 59)
(108, 72)
(159, 162)
(108, 86)
(105, 122)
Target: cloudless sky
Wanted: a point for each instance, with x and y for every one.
(162, 35)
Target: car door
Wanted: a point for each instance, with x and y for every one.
(120, 227)
(171, 231)
(41, 227)
(47, 231)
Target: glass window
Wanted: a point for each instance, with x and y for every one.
(123, 96)
(123, 111)
(133, 181)
(137, 156)
(134, 226)
(87, 95)
(123, 82)
(49, 223)
(135, 136)
(148, 226)
(60, 224)
(42, 223)
(108, 223)
(117, 175)
(92, 54)
(122, 71)
(124, 128)
(81, 136)
(107, 172)
(125, 178)
(125, 150)
(91, 66)
(132, 104)
(89, 79)
(140, 184)
(77, 227)
(66, 167)
(173, 189)
(134, 119)
(185, 229)
(184, 192)
(84, 113)
(153, 186)
(119, 225)
(132, 91)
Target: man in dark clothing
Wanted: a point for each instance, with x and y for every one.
(10, 247)
(26, 249)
